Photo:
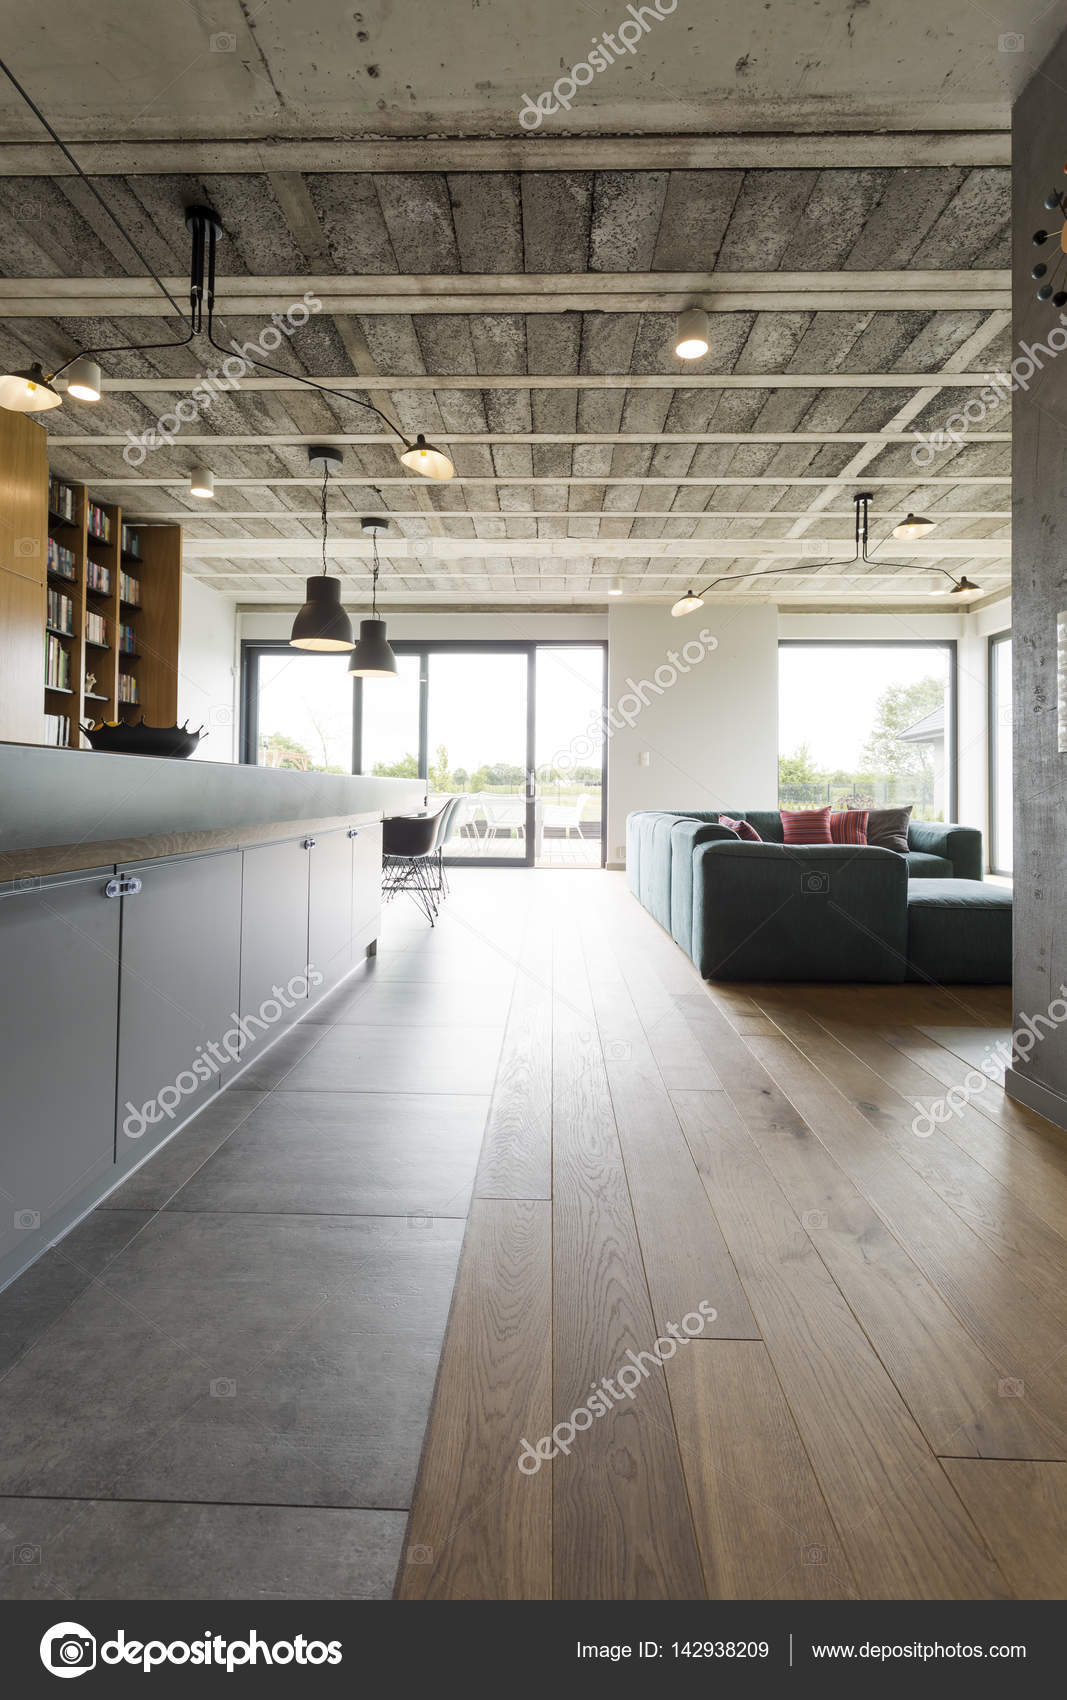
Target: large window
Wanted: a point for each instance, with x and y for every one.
(1000, 768)
(868, 725)
(515, 728)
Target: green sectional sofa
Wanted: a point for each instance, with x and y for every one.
(840, 912)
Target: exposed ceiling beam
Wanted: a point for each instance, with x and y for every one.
(524, 292)
(842, 516)
(925, 481)
(857, 149)
(615, 439)
(568, 548)
(678, 380)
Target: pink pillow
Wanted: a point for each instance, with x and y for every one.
(806, 826)
(849, 826)
(742, 829)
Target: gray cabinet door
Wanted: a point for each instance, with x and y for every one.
(181, 953)
(366, 887)
(59, 987)
(330, 909)
(274, 940)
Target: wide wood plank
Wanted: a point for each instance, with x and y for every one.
(949, 1383)
(516, 1159)
(903, 1530)
(1021, 1510)
(762, 1523)
(480, 1528)
(621, 1519)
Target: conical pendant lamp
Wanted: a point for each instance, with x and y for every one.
(322, 623)
(372, 657)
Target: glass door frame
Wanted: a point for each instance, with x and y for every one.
(253, 648)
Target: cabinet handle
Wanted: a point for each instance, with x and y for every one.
(353, 832)
(126, 885)
(309, 844)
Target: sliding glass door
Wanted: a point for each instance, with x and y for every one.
(514, 728)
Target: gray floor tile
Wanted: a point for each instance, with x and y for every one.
(108, 1550)
(341, 1153)
(40, 1295)
(420, 1003)
(149, 1187)
(261, 1359)
(400, 1058)
(274, 1065)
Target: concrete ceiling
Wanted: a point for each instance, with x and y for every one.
(524, 317)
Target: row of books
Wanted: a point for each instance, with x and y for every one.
(98, 577)
(57, 664)
(60, 560)
(95, 627)
(127, 640)
(59, 612)
(131, 541)
(57, 729)
(130, 588)
(62, 500)
(99, 523)
(128, 688)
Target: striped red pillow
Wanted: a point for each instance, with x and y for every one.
(806, 826)
(849, 826)
(742, 829)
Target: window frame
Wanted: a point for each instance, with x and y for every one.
(993, 766)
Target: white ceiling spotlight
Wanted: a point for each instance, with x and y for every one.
(693, 334)
(202, 483)
(615, 587)
(83, 379)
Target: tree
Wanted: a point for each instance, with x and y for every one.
(440, 776)
(799, 768)
(406, 768)
(279, 750)
(899, 708)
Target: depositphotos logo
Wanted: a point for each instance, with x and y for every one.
(68, 1649)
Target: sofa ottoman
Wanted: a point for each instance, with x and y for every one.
(959, 932)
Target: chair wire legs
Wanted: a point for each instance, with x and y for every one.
(414, 875)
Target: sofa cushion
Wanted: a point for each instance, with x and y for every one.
(922, 864)
(743, 828)
(806, 826)
(686, 834)
(889, 828)
(849, 826)
(767, 822)
(799, 912)
(959, 932)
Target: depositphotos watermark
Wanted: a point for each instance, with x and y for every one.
(608, 1392)
(1025, 1037)
(206, 390)
(212, 1058)
(608, 47)
(958, 426)
(70, 1650)
(628, 705)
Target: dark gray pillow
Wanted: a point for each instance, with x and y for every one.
(888, 828)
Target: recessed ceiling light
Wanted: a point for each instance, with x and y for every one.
(615, 587)
(693, 335)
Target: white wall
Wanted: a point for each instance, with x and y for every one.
(207, 675)
(711, 738)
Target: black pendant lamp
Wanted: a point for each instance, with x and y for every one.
(372, 657)
(322, 623)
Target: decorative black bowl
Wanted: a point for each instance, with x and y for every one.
(135, 738)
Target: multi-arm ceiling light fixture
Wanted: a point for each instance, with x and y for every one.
(32, 389)
(912, 526)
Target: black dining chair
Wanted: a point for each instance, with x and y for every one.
(409, 858)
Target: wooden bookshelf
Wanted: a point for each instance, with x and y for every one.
(126, 596)
(23, 497)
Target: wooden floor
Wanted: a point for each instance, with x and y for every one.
(878, 1406)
